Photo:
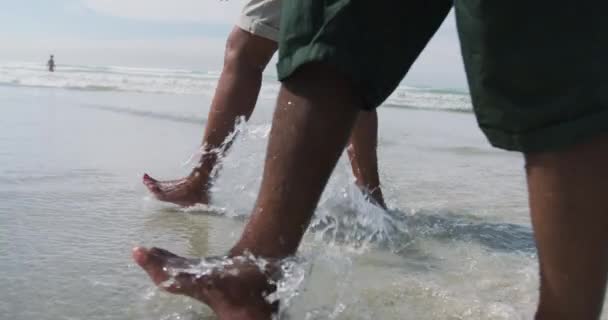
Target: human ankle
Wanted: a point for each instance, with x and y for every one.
(276, 250)
(201, 174)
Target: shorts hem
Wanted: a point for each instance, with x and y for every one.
(551, 138)
(318, 52)
(258, 28)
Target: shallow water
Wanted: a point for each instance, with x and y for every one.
(456, 243)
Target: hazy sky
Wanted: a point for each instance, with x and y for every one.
(163, 33)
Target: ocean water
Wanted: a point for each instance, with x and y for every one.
(456, 243)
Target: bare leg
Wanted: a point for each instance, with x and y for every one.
(316, 111)
(363, 155)
(246, 58)
(569, 206)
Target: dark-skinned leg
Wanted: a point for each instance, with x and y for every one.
(363, 155)
(569, 206)
(238, 88)
(315, 113)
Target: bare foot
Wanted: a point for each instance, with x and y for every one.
(185, 192)
(235, 290)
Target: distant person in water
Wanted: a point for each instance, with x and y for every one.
(51, 64)
(538, 87)
(249, 48)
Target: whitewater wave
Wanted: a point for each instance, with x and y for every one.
(111, 78)
(182, 81)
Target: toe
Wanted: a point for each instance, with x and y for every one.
(147, 180)
(152, 263)
(140, 255)
(151, 184)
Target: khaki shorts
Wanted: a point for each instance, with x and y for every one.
(262, 18)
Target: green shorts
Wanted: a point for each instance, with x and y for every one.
(537, 70)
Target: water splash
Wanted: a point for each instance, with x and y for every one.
(286, 275)
(348, 234)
